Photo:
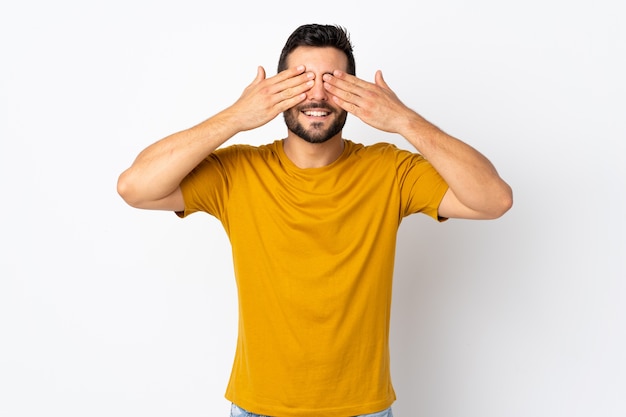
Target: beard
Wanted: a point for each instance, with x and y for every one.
(315, 133)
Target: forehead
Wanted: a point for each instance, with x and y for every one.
(318, 59)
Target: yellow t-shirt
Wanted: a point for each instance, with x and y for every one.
(313, 253)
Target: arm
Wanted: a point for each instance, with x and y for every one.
(152, 181)
(476, 191)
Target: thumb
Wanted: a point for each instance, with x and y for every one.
(260, 74)
(380, 81)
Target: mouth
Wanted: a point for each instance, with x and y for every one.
(315, 113)
(316, 110)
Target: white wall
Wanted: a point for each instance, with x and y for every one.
(106, 310)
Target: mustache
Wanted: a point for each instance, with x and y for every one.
(320, 105)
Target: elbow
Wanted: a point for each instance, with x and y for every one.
(125, 190)
(503, 203)
(502, 209)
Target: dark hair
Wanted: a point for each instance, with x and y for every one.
(321, 36)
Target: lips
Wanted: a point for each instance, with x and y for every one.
(316, 113)
(316, 110)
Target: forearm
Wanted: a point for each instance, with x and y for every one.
(470, 175)
(477, 189)
(159, 169)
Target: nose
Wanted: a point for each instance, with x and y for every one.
(317, 92)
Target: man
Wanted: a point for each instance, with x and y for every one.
(312, 220)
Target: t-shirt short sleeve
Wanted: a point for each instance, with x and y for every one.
(421, 186)
(205, 188)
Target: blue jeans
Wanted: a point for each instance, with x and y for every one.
(240, 412)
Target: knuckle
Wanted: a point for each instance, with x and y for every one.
(286, 93)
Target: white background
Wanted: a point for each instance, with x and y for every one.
(110, 311)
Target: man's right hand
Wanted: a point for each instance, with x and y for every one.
(266, 98)
(152, 181)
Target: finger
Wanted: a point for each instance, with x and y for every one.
(289, 73)
(345, 93)
(286, 104)
(379, 80)
(346, 80)
(260, 75)
(344, 99)
(293, 86)
(290, 87)
(305, 78)
(349, 88)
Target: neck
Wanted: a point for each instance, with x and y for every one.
(312, 155)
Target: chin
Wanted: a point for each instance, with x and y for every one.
(315, 133)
